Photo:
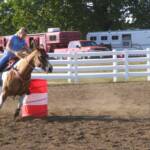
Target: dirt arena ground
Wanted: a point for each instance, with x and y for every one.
(103, 116)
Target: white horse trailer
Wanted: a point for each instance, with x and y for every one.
(137, 39)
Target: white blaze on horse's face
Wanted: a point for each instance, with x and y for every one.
(41, 61)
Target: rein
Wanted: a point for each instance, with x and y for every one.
(29, 66)
(19, 75)
(33, 67)
(29, 63)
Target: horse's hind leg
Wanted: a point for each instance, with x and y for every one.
(17, 111)
(3, 97)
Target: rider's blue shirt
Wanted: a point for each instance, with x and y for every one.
(16, 45)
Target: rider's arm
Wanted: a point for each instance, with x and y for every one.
(16, 53)
(8, 47)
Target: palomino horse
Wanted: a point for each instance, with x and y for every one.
(16, 81)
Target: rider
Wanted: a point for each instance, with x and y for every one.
(15, 45)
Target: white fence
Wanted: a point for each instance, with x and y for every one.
(75, 66)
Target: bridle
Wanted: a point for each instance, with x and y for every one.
(19, 75)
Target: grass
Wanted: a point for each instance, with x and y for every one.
(97, 80)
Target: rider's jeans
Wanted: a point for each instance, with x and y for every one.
(4, 59)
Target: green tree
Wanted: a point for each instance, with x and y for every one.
(81, 15)
(31, 13)
(6, 15)
(69, 15)
(140, 10)
(107, 14)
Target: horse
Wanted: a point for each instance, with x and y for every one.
(16, 81)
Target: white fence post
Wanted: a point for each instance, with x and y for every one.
(69, 58)
(114, 66)
(76, 78)
(148, 64)
(126, 56)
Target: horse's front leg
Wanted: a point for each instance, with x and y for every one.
(3, 97)
(17, 112)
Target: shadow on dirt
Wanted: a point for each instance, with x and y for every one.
(84, 118)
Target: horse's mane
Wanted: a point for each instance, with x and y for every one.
(41, 50)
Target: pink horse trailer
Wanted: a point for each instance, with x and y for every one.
(49, 40)
(52, 40)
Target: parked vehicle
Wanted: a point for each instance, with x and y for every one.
(130, 39)
(83, 46)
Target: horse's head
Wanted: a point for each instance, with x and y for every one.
(41, 60)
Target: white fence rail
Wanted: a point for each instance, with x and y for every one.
(110, 64)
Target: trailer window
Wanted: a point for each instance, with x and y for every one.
(31, 42)
(103, 38)
(52, 37)
(88, 43)
(93, 38)
(115, 37)
(126, 37)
